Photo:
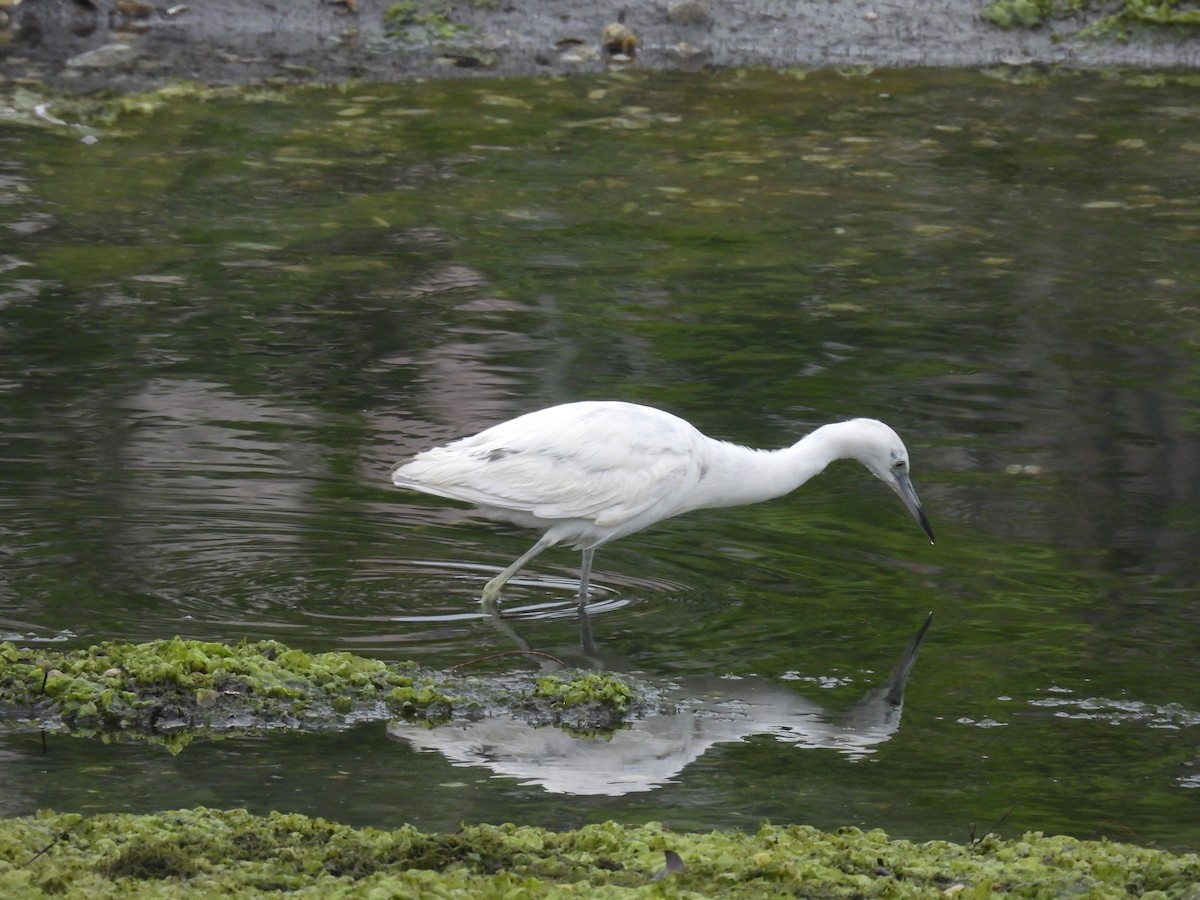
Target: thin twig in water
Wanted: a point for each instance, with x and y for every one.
(1137, 837)
(479, 659)
(975, 841)
(47, 848)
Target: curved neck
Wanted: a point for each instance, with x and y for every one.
(742, 475)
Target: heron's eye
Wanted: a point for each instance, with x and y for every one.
(899, 465)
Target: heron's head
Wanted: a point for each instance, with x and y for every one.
(880, 449)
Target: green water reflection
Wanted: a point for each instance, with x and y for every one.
(221, 324)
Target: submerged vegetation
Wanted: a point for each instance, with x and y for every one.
(1108, 18)
(411, 21)
(234, 853)
(169, 691)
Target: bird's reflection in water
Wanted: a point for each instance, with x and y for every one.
(654, 749)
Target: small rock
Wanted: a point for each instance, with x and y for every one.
(582, 54)
(135, 9)
(618, 38)
(689, 12)
(685, 51)
(467, 60)
(105, 57)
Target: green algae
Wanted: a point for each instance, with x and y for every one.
(233, 853)
(410, 21)
(592, 687)
(172, 690)
(1106, 18)
(589, 704)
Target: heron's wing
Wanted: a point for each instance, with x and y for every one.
(607, 463)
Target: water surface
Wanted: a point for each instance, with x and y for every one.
(222, 322)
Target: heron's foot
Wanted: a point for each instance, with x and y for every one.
(490, 598)
(491, 592)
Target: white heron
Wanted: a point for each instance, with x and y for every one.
(590, 472)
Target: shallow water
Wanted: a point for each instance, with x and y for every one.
(221, 324)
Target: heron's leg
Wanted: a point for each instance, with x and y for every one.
(585, 633)
(585, 575)
(585, 624)
(491, 590)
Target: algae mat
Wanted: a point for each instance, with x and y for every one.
(128, 690)
(233, 853)
(172, 691)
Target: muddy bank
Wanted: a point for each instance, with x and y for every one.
(133, 45)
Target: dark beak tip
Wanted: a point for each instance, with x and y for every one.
(926, 527)
(904, 488)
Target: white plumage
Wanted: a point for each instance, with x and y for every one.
(590, 472)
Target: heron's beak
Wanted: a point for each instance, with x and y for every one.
(908, 494)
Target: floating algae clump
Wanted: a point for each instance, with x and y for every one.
(169, 691)
(203, 852)
(591, 687)
(164, 687)
(590, 702)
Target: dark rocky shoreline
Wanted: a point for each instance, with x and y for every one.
(83, 46)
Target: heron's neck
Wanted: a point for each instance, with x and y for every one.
(750, 476)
